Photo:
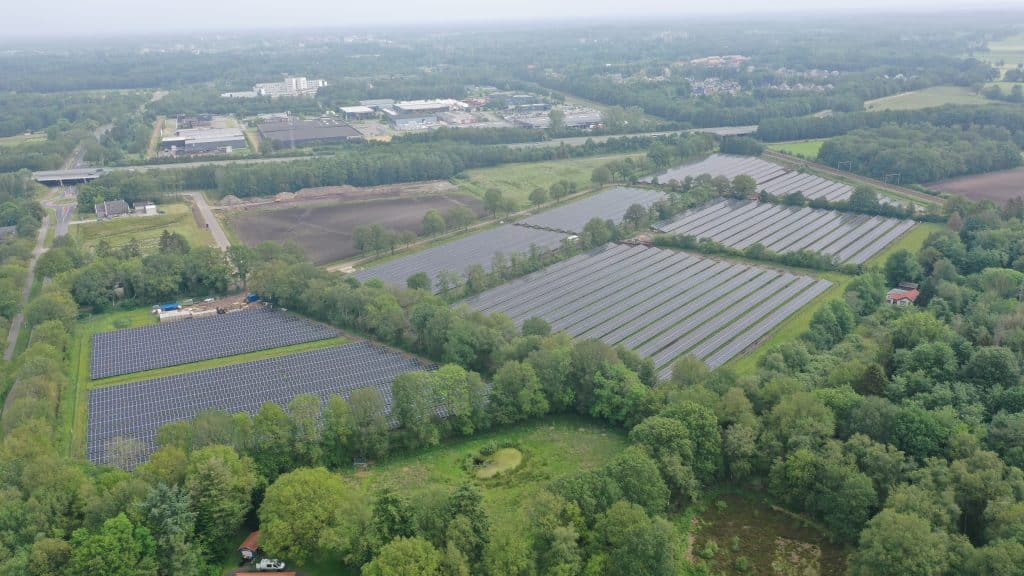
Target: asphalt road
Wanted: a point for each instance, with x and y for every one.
(211, 221)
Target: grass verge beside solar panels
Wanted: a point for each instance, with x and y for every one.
(608, 205)
(849, 238)
(459, 255)
(193, 340)
(662, 303)
(771, 178)
(132, 414)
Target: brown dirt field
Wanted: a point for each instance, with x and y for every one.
(1000, 187)
(342, 193)
(325, 229)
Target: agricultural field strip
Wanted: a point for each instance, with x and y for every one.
(459, 255)
(598, 311)
(570, 304)
(670, 313)
(606, 260)
(646, 307)
(669, 335)
(882, 242)
(784, 229)
(759, 330)
(573, 287)
(608, 205)
(617, 323)
(137, 410)
(192, 340)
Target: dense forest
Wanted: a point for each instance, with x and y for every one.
(919, 153)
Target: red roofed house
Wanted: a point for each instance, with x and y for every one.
(902, 296)
(250, 546)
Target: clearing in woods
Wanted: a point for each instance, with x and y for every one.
(803, 148)
(927, 98)
(516, 181)
(741, 534)
(145, 229)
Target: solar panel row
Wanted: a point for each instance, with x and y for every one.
(848, 237)
(725, 165)
(193, 340)
(136, 411)
(661, 303)
(459, 255)
(608, 205)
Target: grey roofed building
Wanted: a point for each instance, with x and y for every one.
(302, 132)
(112, 208)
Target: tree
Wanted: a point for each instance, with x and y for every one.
(516, 393)
(619, 395)
(744, 186)
(468, 528)
(601, 176)
(633, 543)
(173, 243)
(638, 477)
(221, 485)
(538, 196)
(405, 556)
(167, 514)
(418, 281)
(117, 549)
(536, 326)
(895, 544)
(304, 412)
(206, 271)
(242, 258)
(597, 232)
(864, 199)
(55, 305)
(433, 223)
(304, 511)
(338, 430)
(636, 215)
(370, 427)
(993, 366)
(557, 118)
(902, 266)
(493, 200)
(414, 403)
(273, 439)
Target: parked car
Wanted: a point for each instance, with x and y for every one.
(269, 565)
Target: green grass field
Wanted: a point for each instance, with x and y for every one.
(927, 98)
(22, 138)
(804, 148)
(551, 447)
(1009, 51)
(518, 180)
(146, 229)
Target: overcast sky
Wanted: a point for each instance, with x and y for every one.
(102, 17)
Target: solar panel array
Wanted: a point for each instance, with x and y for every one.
(608, 205)
(662, 303)
(192, 340)
(459, 255)
(726, 165)
(136, 411)
(770, 177)
(849, 238)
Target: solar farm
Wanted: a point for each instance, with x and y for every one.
(770, 177)
(848, 238)
(662, 303)
(459, 255)
(193, 340)
(608, 205)
(136, 411)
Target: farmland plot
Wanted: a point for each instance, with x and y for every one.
(662, 303)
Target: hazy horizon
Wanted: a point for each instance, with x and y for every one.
(126, 18)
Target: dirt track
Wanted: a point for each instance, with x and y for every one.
(999, 186)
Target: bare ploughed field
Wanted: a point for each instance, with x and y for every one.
(325, 228)
(1000, 187)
